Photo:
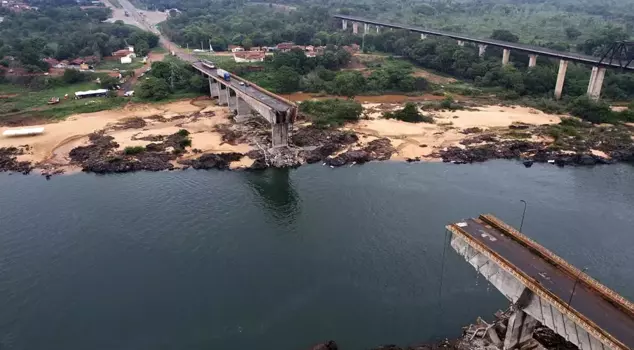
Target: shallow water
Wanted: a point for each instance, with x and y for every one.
(284, 259)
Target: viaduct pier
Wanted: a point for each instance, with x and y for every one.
(598, 65)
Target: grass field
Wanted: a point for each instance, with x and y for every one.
(110, 65)
(33, 104)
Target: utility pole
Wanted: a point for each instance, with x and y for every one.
(574, 287)
(523, 214)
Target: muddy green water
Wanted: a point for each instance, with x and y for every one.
(283, 259)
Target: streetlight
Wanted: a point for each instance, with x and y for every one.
(574, 286)
(523, 214)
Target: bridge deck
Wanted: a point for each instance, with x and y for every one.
(268, 100)
(593, 304)
(542, 51)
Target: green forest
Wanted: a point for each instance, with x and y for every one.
(63, 30)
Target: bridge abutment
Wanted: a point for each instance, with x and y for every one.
(506, 55)
(561, 77)
(596, 82)
(532, 60)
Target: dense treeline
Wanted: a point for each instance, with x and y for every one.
(446, 56)
(169, 77)
(62, 30)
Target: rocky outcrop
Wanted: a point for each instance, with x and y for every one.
(9, 161)
(213, 160)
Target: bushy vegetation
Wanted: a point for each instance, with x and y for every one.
(596, 112)
(169, 77)
(410, 114)
(331, 112)
(132, 150)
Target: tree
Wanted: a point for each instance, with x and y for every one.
(72, 76)
(142, 48)
(153, 89)
(109, 82)
(349, 83)
(410, 114)
(572, 33)
(286, 79)
(504, 35)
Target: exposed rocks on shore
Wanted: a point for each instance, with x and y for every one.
(9, 161)
(102, 157)
(573, 145)
(213, 160)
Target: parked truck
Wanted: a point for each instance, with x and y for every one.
(224, 74)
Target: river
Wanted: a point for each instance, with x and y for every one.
(283, 259)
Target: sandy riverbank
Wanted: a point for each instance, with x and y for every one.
(371, 138)
(413, 140)
(51, 149)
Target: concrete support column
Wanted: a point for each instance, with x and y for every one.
(213, 88)
(532, 60)
(231, 102)
(596, 82)
(223, 95)
(344, 24)
(355, 28)
(481, 50)
(519, 330)
(423, 36)
(378, 29)
(506, 54)
(243, 109)
(561, 76)
(366, 28)
(460, 43)
(280, 135)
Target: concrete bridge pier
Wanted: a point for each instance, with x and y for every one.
(223, 95)
(506, 54)
(344, 24)
(460, 43)
(596, 82)
(532, 60)
(519, 330)
(561, 76)
(243, 109)
(378, 29)
(231, 102)
(279, 136)
(366, 28)
(481, 50)
(355, 28)
(423, 36)
(213, 88)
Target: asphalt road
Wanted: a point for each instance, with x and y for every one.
(268, 100)
(586, 300)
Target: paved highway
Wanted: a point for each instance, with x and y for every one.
(268, 100)
(586, 300)
(570, 56)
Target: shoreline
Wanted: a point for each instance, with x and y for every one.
(213, 140)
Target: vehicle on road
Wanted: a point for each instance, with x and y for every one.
(129, 93)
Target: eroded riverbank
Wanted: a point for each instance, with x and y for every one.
(144, 137)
